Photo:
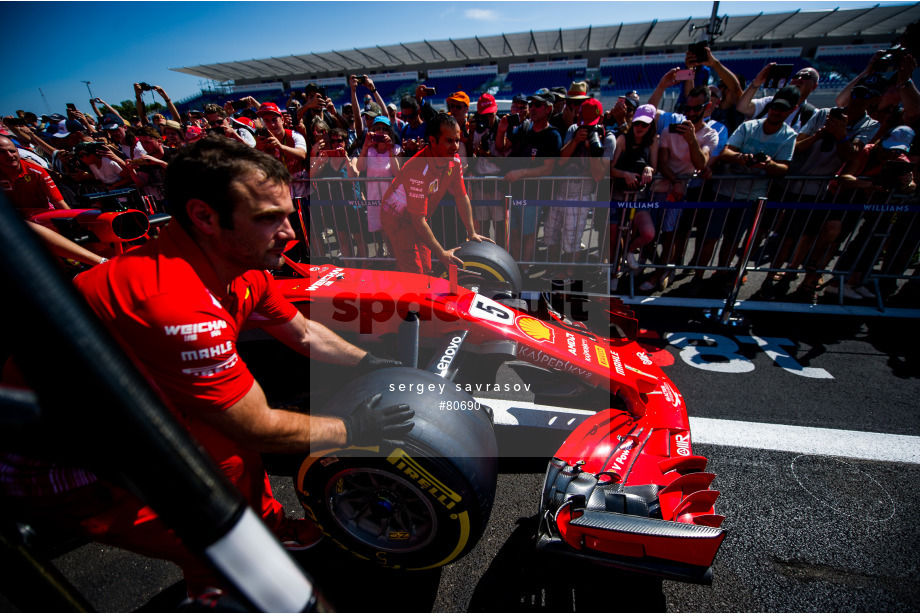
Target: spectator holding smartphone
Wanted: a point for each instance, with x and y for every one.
(151, 167)
(105, 165)
(805, 79)
(285, 145)
(122, 136)
(333, 162)
(379, 158)
(635, 161)
(412, 135)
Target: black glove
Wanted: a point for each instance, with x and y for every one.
(368, 426)
(372, 363)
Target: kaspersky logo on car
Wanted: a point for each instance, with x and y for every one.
(535, 329)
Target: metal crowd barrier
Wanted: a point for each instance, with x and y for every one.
(760, 226)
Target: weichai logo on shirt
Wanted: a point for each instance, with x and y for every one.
(197, 328)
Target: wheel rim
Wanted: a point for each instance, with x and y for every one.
(381, 510)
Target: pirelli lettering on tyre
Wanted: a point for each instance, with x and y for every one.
(400, 459)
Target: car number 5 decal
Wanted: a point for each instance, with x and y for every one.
(484, 308)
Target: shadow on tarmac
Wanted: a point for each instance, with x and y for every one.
(521, 580)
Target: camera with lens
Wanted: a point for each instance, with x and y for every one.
(482, 123)
(145, 87)
(891, 59)
(594, 141)
(484, 142)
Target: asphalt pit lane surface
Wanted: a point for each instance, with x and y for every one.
(843, 487)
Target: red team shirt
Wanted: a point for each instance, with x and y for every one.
(164, 302)
(417, 190)
(33, 188)
(420, 185)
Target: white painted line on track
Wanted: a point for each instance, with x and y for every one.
(734, 433)
(806, 440)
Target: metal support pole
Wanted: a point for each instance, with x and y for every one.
(508, 223)
(743, 262)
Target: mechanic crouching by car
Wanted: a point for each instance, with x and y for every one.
(182, 300)
(415, 193)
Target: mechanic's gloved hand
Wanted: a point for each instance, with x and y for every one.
(372, 363)
(369, 426)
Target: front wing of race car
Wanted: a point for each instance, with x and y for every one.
(625, 489)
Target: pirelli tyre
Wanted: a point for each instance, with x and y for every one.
(417, 505)
(490, 261)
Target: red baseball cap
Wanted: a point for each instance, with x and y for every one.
(243, 120)
(193, 133)
(591, 112)
(487, 104)
(268, 107)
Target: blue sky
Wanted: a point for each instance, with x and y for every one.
(115, 44)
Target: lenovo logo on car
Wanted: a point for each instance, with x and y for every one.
(449, 353)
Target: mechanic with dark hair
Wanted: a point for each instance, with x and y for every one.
(182, 299)
(415, 193)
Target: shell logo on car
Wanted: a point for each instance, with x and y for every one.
(535, 329)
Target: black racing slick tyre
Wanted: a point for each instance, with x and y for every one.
(490, 261)
(417, 504)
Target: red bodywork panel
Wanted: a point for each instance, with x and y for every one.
(115, 232)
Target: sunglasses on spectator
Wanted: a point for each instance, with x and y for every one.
(804, 75)
(863, 94)
(695, 109)
(457, 106)
(536, 103)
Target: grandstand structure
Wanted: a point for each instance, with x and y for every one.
(614, 58)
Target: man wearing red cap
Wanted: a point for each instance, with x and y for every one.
(287, 146)
(582, 155)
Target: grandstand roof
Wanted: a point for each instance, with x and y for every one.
(790, 25)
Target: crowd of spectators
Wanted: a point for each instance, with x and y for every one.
(722, 142)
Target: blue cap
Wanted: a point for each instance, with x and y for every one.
(382, 119)
(900, 138)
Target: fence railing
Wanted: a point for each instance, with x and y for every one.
(643, 245)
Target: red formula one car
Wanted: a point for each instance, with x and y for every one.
(107, 226)
(625, 489)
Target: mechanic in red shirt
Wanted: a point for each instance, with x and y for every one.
(26, 184)
(415, 193)
(177, 305)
